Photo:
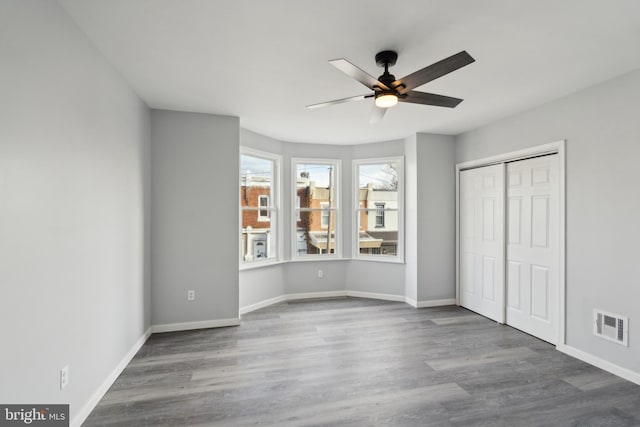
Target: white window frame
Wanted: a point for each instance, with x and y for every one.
(275, 251)
(336, 210)
(399, 257)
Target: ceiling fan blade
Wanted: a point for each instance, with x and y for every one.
(340, 101)
(377, 114)
(356, 73)
(433, 71)
(424, 98)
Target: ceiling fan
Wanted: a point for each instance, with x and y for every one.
(388, 91)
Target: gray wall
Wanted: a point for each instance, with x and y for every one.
(74, 236)
(194, 225)
(430, 204)
(602, 130)
(302, 277)
(436, 219)
(411, 217)
(375, 277)
(261, 284)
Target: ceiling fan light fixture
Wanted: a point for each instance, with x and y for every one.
(386, 100)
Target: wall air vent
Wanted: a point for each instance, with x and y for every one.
(612, 327)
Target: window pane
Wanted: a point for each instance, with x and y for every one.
(312, 235)
(374, 239)
(378, 208)
(315, 183)
(255, 180)
(382, 176)
(258, 237)
(257, 242)
(315, 209)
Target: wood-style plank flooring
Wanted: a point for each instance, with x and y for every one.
(360, 362)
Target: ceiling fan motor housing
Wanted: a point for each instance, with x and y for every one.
(386, 59)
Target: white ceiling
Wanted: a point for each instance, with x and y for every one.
(264, 60)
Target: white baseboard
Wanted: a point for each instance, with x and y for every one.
(262, 304)
(93, 401)
(372, 295)
(412, 302)
(357, 294)
(600, 363)
(290, 297)
(203, 324)
(311, 295)
(436, 302)
(430, 303)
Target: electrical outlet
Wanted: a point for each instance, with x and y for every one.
(320, 274)
(64, 377)
(191, 295)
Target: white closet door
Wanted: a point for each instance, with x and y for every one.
(533, 215)
(482, 241)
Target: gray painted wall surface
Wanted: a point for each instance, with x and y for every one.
(376, 277)
(378, 149)
(194, 223)
(260, 142)
(261, 284)
(74, 236)
(436, 219)
(302, 277)
(411, 217)
(430, 217)
(602, 130)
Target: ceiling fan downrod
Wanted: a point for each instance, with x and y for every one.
(386, 59)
